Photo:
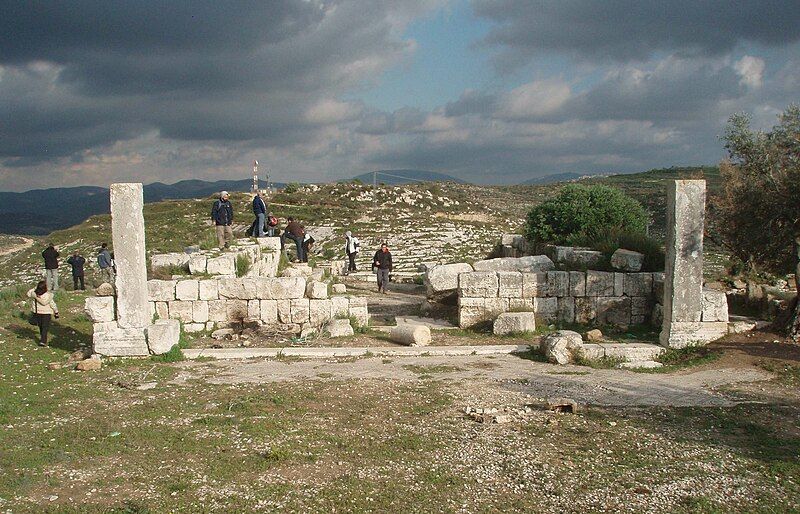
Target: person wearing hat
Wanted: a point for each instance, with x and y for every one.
(222, 215)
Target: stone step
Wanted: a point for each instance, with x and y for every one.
(380, 351)
(630, 352)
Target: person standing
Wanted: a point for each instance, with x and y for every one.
(104, 261)
(382, 264)
(308, 242)
(43, 309)
(77, 261)
(351, 246)
(222, 215)
(296, 232)
(50, 255)
(260, 211)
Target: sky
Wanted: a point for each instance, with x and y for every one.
(489, 91)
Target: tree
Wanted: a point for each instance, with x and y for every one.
(758, 214)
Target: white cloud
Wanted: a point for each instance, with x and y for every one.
(751, 69)
(535, 99)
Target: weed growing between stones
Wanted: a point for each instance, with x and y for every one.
(243, 265)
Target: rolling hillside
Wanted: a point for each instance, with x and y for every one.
(398, 177)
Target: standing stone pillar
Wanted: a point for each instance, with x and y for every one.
(127, 228)
(683, 281)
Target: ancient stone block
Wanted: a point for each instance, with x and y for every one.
(236, 310)
(127, 229)
(253, 309)
(217, 310)
(638, 284)
(208, 290)
(284, 311)
(530, 264)
(585, 258)
(566, 309)
(641, 308)
(300, 310)
(222, 265)
(442, 280)
(514, 322)
(599, 283)
(546, 309)
(339, 306)
(658, 287)
(269, 311)
(186, 290)
(627, 260)
(317, 290)
(160, 290)
(244, 288)
(557, 283)
(198, 264)
(162, 335)
(99, 308)
(120, 342)
(562, 346)
(619, 284)
(162, 310)
(577, 283)
(520, 304)
(339, 288)
(614, 310)
(509, 284)
(495, 306)
(319, 312)
(200, 311)
(534, 284)
(165, 260)
(281, 288)
(411, 335)
(585, 309)
(193, 328)
(478, 284)
(471, 311)
(715, 306)
(691, 333)
(181, 310)
(339, 328)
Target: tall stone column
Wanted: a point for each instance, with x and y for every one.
(127, 228)
(683, 281)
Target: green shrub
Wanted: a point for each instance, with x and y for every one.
(611, 240)
(291, 188)
(578, 213)
(173, 355)
(242, 265)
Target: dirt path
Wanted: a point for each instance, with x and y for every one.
(26, 243)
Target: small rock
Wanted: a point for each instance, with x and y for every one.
(222, 333)
(90, 364)
(340, 328)
(640, 365)
(54, 365)
(104, 289)
(502, 418)
(562, 405)
(594, 335)
(559, 346)
(738, 283)
(411, 335)
(339, 288)
(627, 260)
(147, 385)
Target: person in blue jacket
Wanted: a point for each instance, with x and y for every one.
(222, 216)
(260, 210)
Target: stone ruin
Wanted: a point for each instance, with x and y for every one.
(147, 316)
(518, 282)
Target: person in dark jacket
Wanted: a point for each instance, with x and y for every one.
(77, 261)
(106, 264)
(296, 232)
(260, 210)
(50, 255)
(382, 264)
(222, 215)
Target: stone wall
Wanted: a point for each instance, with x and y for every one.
(263, 254)
(590, 297)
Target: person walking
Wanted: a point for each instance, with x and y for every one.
(222, 215)
(43, 309)
(351, 247)
(296, 232)
(77, 261)
(106, 264)
(382, 264)
(260, 211)
(50, 255)
(308, 242)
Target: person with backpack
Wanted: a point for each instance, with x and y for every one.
(50, 255)
(382, 265)
(43, 308)
(222, 216)
(272, 222)
(351, 247)
(106, 264)
(77, 261)
(260, 211)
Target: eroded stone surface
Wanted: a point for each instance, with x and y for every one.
(514, 322)
(127, 228)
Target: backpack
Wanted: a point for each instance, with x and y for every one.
(272, 221)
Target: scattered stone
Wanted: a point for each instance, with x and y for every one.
(640, 365)
(79, 355)
(99, 308)
(163, 335)
(738, 283)
(562, 405)
(340, 328)
(627, 260)
(514, 322)
(559, 346)
(594, 335)
(93, 363)
(104, 289)
(222, 333)
(145, 386)
(54, 365)
(411, 335)
(339, 288)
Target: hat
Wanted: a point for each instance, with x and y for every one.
(224, 193)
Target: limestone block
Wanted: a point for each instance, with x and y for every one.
(520, 304)
(217, 310)
(534, 284)
(566, 309)
(198, 264)
(253, 309)
(165, 260)
(223, 265)
(638, 284)
(193, 328)
(104, 289)
(614, 310)
(208, 289)
(641, 309)
(509, 284)
(599, 283)
(245, 288)
(514, 322)
(360, 314)
(411, 335)
(127, 229)
(715, 306)
(689, 333)
(281, 288)
(619, 284)
(152, 309)
(104, 325)
(658, 287)
(186, 290)
(317, 290)
(236, 310)
(120, 342)
(319, 312)
(269, 244)
(300, 310)
(284, 311)
(99, 308)
(627, 260)
(577, 283)
(560, 347)
(162, 310)
(358, 301)
(471, 311)
(478, 284)
(494, 307)
(162, 335)
(530, 264)
(586, 258)
(339, 306)
(161, 290)
(339, 328)
(181, 310)
(546, 309)
(339, 288)
(200, 311)
(269, 311)
(443, 279)
(557, 283)
(585, 309)
(560, 254)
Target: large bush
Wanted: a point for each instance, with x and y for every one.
(584, 213)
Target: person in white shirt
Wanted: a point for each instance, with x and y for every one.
(351, 249)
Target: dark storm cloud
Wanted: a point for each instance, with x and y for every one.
(634, 29)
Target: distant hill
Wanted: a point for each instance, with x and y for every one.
(551, 179)
(40, 211)
(398, 177)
